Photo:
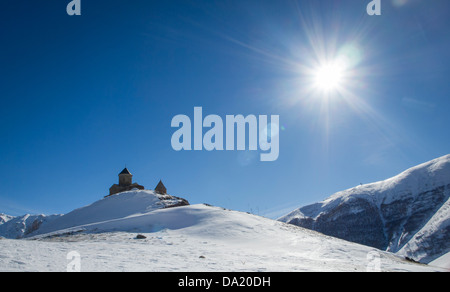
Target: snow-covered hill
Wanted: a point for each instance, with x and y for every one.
(408, 213)
(130, 203)
(194, 238)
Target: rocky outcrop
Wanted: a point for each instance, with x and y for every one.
(170, 201)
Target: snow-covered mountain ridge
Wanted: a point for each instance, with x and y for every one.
(5, 218)
(407, 214)
(20, 226)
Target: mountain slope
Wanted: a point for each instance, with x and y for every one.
(195, 238)
(431, 240)
(443, 262)
(388, 214)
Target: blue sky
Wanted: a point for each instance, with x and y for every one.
(83, 96)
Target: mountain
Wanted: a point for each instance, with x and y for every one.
(192, 238)
(407, 214)
(20, 226)
(5, 218)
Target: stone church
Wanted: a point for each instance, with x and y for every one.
(126, 184)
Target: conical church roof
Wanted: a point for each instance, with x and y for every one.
(160, 188)
(125, 171)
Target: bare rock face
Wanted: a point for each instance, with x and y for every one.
(34, 226)
(390, 215)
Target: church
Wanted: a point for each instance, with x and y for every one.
(126, 184)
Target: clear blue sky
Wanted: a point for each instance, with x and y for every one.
(81, 96)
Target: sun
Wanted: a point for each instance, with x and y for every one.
(330, 76)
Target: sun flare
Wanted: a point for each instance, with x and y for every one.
(329, 77)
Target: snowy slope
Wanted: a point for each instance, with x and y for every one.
(443, 262)
(195, 238)
(113, 207)
(406, 213)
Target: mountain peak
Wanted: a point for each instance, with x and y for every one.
(5, 218)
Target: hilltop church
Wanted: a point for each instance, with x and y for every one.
(126, 184)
